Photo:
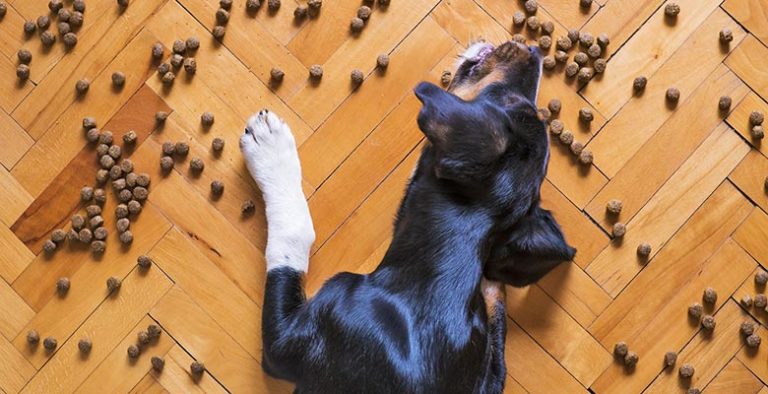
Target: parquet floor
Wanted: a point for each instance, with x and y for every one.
(690, 177)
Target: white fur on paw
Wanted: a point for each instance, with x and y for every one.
(270, 152)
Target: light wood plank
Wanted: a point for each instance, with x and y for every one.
(15, 139)
(16, 370)
(739, 119)
(744, 61)
(752, 14)
(752, 235)
(749, 176)
(16, 313)
(15, 256)
(735, 378)
(148, 385)
(176, 378)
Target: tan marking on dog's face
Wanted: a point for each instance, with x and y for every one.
(470, 91)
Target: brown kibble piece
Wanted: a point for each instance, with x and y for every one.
(49, 246)
(644, 250)
(118, 79)
(586, 157)
(252, 5)
(756, 118)
(100, 233)
(182, 148)
(168, 148)
(753, 341)
(33, 338)
(106, 137)
(585, 3)
(273, 5)
(163, 68)
(614, 206)
(620, 349)
(276, 75)
(548, 28)
(531, 6)
(158, 363)
(382, 61)
(78, 221)
(545, 42)
(747, 328)
(639, 84)
(86, 194)
(47, 38)
(166, 164)
(78, 5)
(130, 137)
(197, 368)
(631, 359)
(757, 132)
(24, 56)
(62, 285)
(126, 237)
(247, 207)
(70, 40)
(300, 12)
(600, 65)
(85, 235)
(725, 103)
(58, 235)
(761, 278)
(113, 284)
(364, 12)
(603, 40)
(134, 207)
(619, 229)
(726, 35)
(158, 51)
(581, 58)
(92, 135)
(217, 187)
(566, 137)
(133, 351)
(746, 301)
(50, 343)
(554, 106)
(585, 74)
(533, 23)
(121, 211)
(144, 262)
(190, 65)
(686, 371)
(207, 119)
(673, 95)
(518, 18)
(710, 295)
(217, 144)
(556, 127)
(96, 222)
(219, 32)
(708, 322)
(672, 9)
(29, 27)
(548, 62)
(93, 210)
(670, 358)
(85, 345)
(564, 43)
(571, 69)
(124, 195)
(357, 77)
(169, 77)
(445, 78)
(561, 56)
(197, 164)
(586, 40)
(122, 225)
(316, 72)
(43, 22)
(576, 147)
(22, 72)
(356, 25)
(115, 151)
(55, 5)
(154, 331)
(760, 301)
(140, 193)
(179, 47)
(594, 51)
(586, 115)
(142, 338)
(176, 60)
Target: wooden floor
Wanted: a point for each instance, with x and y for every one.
(691, 180)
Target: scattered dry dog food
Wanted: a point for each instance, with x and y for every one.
(134, 207)
(78, 222)
(96, 221)
(672, 9)
(614, 206)
(273, 5)
(85, 345)
(64, 28)
(357, 77)
(85, 235)
(197, 368)
(695, 310)
(577, 147)
(168, 78)
(686, 371)
(190, 65)
(594, 51)
(586, 157)
(554, 106)
(600, 65)
(140, 193)
(316, 72)
(115, 151)
(586, 40)
(22, 72)
(753, 341)
(566, 137)
(631, 359)
(106, 137)
(130, 137)
(564, 43)
(757, 132)
(639, 83)
(585, 74)
(133, 351)
(181, 148)
(157, 51)
(531, 6)
(219, 32)
(29, 27)
(761, 278)
(217, 187)
(24, 55)
(113, 284)
(545, 42)
(100, 233)
(581, 59)
(746, 301)
(76, 19)
(571, 69)
(747, 328)
(48, 39)
(670, 358)
(300, 12)
(93, 135)
(50, 343)
(548, 28)
(364, 12)
(726, 35)
(603, 40)
(166, 164)
(92, 211)
(725, 103)
(252, 5)
(127, 166)
(446, 77)
(55, 6)
(179, 46)
(142, 338)
(126, 237)
(619, 229)
(62, 285)
(561, 56)
(248, 207)
(586, 115)
(226, 4)
(158, 363)
(756, 118)
(118, 79)
(673, 95)
(144, 262)
(78, 5)
(382, 61)
(518, 18)
(154, 331)
(620, 349)
(163, 68)
(556, 127)
(549, 62)
(70, 39)
(122, 225)
(644, 250)
(49, 246)
(207, 119)
(33, 338)
(708, 322)
(217, 144)
(276, 75)
(43, 22)
(119, 184)
(197, 164)
(710, 295)
(58, 236)
(168, 148)
(176, 60)
(121, 211)
(760, 301)
(356, 25)
(533, 23)
(86, 194)
(585, 3)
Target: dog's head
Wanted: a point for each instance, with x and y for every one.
(488, 146)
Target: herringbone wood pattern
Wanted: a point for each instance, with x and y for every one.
(690, 177)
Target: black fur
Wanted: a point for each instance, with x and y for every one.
(419, 323)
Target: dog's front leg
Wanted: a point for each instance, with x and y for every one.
(271, 157)
(494, 294)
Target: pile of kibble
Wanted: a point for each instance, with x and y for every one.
(182, 56)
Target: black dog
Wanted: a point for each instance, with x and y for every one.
(420, 322)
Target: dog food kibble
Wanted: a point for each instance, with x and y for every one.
(126, 166)
(130, 179)
(102, 176)
(222, 17)
(115, 151)
(85, 345)
(356, 24)
(144, 262)
(548, 62)
(600, 65)
(757, 132)
(143, 179)
(556, 127)
(252, 5)
(197, 368)
(747, 328)
(99, 196)
(106, 137)
(166, 164)
(686, 371)
(545, 42)
(554, 106)
(725, 103)
(585, 3)
(726, 35)
(710, 295)
(547, 28)
(96, 221)
(190, 65)
(561, 56)
(158, 363)
(226, 4)
(100, 233)
(586, 157)
(58, 236)
(760, 301)
(47, 38)
(106, 162)
(134, 207)
(49, 246)
(118, 79)
(29, 27)
(531, 6)
(76, 19)
(219, 32)
(644, 250)
(113, 284)
(708, 322)
(571, 69)
(566, 137)
(181, 148)
(92, 211)
(518, 18)
(586, 115)
(179, 47)
(206, 119)
(50, 343)
(594, 51)
(753, 341)
(564, 43)
(756, 118)
(70, 39)
(177, 60)
(693, 390)
(382, 61)
(620, 349)
(22, 72)
(154, 331)
(86, 194)
(98, 247)
(364, 12)
(357, 77)
(43, 22)
(168, 78)
(85, 235)
(761, 278)
(248, 207)
(533, 23)
(300, 12)
(519, 38)
(577, 147)
(217, 187)
(544, 114)
(445, 78)
(79, 5)
(585, 74)
(614, 206)
(670, 358)
(142, 338)
(122, 225)
(78, 221)
(157, 51)
(586, 40)
(168, 148)
(33, 338)
(64, 28)
(55, 6)
(672, 9)
(24, 56)
(316, 72)
(93, 135)
(574, 35)
(62, 285)
(619, 229)
(631, 359)
(124, 196)
(130, 137)
(273, 5)
(276, 75)
(197, 164)
(163, 68)
(581, 58)
(639, 84)
(673, 95)
(603, 40)
(746, 301)
(133, 351)
(140, 193)
(217, 144)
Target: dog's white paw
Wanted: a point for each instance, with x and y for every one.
(270, 153)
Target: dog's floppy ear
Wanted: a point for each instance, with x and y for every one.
(436, 104)
(532, 248)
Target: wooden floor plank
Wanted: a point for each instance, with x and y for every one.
(752, 235)
(752, 14)
(735, 377)
(148, 385)
(739, 119)
(16, 313)
(620, 19)
(749, 176)
(176, 378)
(16, 371)
(15, 256)
(744, 62)
(15, 139)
